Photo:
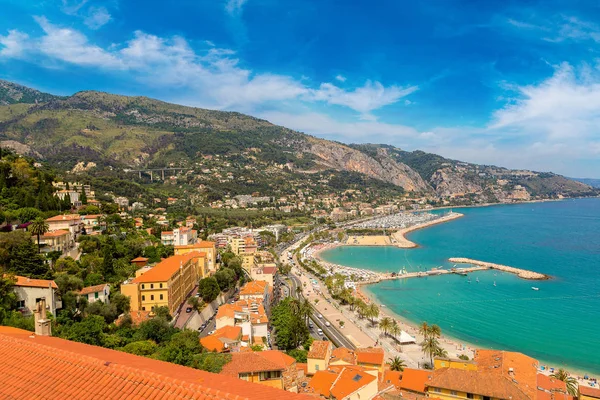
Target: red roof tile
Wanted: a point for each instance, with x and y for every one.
(415, 379)
(42, 367)
(370, 355)
(319, 349)
(589, 391)
(39, 283)
(351, 379)
(165, 269)
(249, 362)
(93, 289)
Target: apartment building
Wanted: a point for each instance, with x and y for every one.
(31, 291)
(204, 246)
(166, 284)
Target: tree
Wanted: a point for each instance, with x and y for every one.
(299, 354)
(156, 329)
(397, 364)
(225, 278)
(90, 330)
(430, 346)
(28, 214)
(140, 348)
(209, 289)
(290, 326)
(67, 283)
(563, 375)
(8, 297)
(211, 362)
(121, 302)
(181, 349)
(39, 227)
(373, 312)
(83, 196)
(25, 259)
(385, 325)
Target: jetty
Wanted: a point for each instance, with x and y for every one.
(521, 273)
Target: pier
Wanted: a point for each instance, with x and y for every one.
(521, 273)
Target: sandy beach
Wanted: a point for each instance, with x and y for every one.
(371, 240)
(402, 242)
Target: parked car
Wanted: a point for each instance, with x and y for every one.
(211, 332)
(310, 325)
(188, 310)
(327, 323)
(319, 316)
(320, 332)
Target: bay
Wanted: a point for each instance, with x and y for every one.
(559, 324)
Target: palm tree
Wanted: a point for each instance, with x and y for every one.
(441, 352)
(435, 331)
(373, 312)
(430, 346)
(39, 227)
(563, 375)
(397, 364)
(385, 324)
(430, 330)
(424, 329)
(305, 310)
(395, 330)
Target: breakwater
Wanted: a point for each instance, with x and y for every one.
(521, 273)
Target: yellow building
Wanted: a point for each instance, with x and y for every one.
(166, 284)
(59, 240)
(203, 246)
(588, 393)
(454, 363)
(237, 245)
(264, 368)
(248, 262)
(371, 357)
(318, 356)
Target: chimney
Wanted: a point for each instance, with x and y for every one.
(43, 325)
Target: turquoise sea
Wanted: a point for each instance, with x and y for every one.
(559, 324)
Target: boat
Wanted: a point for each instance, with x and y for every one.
(494, 283)
(535, 288)
(477, 280)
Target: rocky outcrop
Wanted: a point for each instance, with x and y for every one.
(448, 183)
(340, 157)
(20, 148)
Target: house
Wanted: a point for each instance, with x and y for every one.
(256, 290)
(96, 293)
(371, 357)
(249, 315)
(30, 291)
(223, 340)
(80, 371)
(59, 240)
(318, 356)
(415, 380)
(93, 222)
(140, 261)
(265, 273)
(166, 284)
(342, 356)
(499, 375)
(270, 368)
(179, 237)
(588, 393)
(67, 222)
(203, 246)
(72, 194)
(345, 383)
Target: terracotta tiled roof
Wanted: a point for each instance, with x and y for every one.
(166, 233)
(370, 355)
(51, 368)
(318, 349)
(66, 217)
(249, 362)
(277, 357)
(589, 391)
(200, 245)
(343, 354)
(302, 367)
(254, 288)
(393, 377)
(39, 283)
(269, 270)
(165, 269)
(321, 382)
(139, 259)
(512, 365)
(415, 379)
(93, 289)
(550, 384)
(57, 233)
(212, 343)
(351, 379)
(476, 382)
(216, 341)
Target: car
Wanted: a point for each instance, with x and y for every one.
(327, 323)
(197, 295)
(325, 338)
(211, 332)
(188, 310)
(319, 316)
(310, 325)
(320, 332)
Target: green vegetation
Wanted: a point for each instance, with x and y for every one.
(430, 344)
(289, 319)
(397, 364)
(563, 375)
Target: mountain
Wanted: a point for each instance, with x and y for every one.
(588, 181)
(228, 152)
(12, 93)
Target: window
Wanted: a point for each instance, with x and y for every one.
(96, 295)
(244, 377)
(161, 296)
(469, 395)
(143, 308)
(143, 287)
(268, 375)
(317, 367)
(160, 285)
(486, 398)
(151, 297)
(143, 298)
(21, 304)
(152, 286)
(453, 392)
(437, 390)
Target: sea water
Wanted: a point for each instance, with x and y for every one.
(559, 324)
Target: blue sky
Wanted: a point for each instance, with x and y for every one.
(511, 83)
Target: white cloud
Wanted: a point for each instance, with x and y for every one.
(234, 6)
(213, 78)
(371, 96)
(341, 78)
(71, 46)
(560, 28)
(97, 17)
(13, 45)
(72, 7)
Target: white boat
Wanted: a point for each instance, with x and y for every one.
(535, 288)
(494, 283)
(477, 280)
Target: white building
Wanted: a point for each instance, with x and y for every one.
(30, 291)
(179, 237)
(96, 293)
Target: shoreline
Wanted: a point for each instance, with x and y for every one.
(400, 235)
(455, 342)
(521, 273)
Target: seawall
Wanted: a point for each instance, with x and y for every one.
(521, 273)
